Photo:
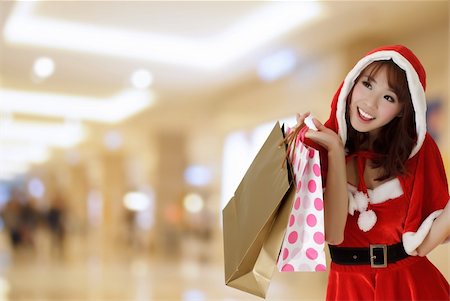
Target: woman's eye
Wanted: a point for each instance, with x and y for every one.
(366, 84)
(389, 98)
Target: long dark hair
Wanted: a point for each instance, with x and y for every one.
(395, 140)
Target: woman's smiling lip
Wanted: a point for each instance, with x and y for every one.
(364, 116)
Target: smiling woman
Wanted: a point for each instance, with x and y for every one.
(377, 101)
(373, 100)
(373, 103)
(376, 134)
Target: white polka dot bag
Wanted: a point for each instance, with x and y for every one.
(303, 245)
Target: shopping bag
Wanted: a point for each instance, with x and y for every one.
(254, 220)
(303, 245)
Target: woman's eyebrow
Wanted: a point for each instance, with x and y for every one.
(370, 78)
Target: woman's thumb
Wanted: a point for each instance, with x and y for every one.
(318, 124)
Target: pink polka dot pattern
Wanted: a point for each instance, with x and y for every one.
(287, 268)
(311, 220)
(304, 241)
(312, 186)
(307, 170)
(318, 204)
(293, 236)
(320, 268)
(291, 220)
(297, 203)
(319, 238)
(299, 185)
(316, 169)
(311, 253)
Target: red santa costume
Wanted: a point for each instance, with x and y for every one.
(387, 224)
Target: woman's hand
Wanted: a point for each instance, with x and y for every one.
(324, 136)
(301, 118)
(439, 232)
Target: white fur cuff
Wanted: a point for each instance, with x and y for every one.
(411, 240)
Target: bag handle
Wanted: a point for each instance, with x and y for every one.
(291, 140)
(297, 134)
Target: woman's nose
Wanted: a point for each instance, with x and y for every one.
(372, 101)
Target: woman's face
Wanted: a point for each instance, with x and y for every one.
(373, 103)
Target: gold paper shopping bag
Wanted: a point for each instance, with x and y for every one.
(254, 220)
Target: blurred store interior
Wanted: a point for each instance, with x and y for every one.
(126, 126)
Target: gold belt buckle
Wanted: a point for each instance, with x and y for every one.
(373, 264)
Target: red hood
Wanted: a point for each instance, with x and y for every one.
(416, 77)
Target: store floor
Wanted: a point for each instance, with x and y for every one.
(95, 270)
(120, 274)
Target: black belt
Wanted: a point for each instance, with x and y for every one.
(378, 256)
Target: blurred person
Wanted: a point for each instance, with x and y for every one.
(29, 219)
(11, 218)
(386, 193)
(56, 224)
(130, 234)
(21, 218)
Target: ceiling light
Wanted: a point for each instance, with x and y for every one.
(193, 203)
(136, 201)
(141, 79)
(63, 135)
(43, 67)
(36, 188)
(193, 295)
(277, 65)
(212, 53)
(109, 110)
(197, 175)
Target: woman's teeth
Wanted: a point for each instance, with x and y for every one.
(365, 115)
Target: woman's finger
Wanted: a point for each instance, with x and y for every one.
(301, 117)
(318, 124)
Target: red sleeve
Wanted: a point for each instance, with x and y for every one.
(426, 184)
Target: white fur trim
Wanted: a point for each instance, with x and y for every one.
(361, 200)
(367, 220)
(411, 240)
(388, 190)
(415, 88)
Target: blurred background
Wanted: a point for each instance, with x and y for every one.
(125, 128)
